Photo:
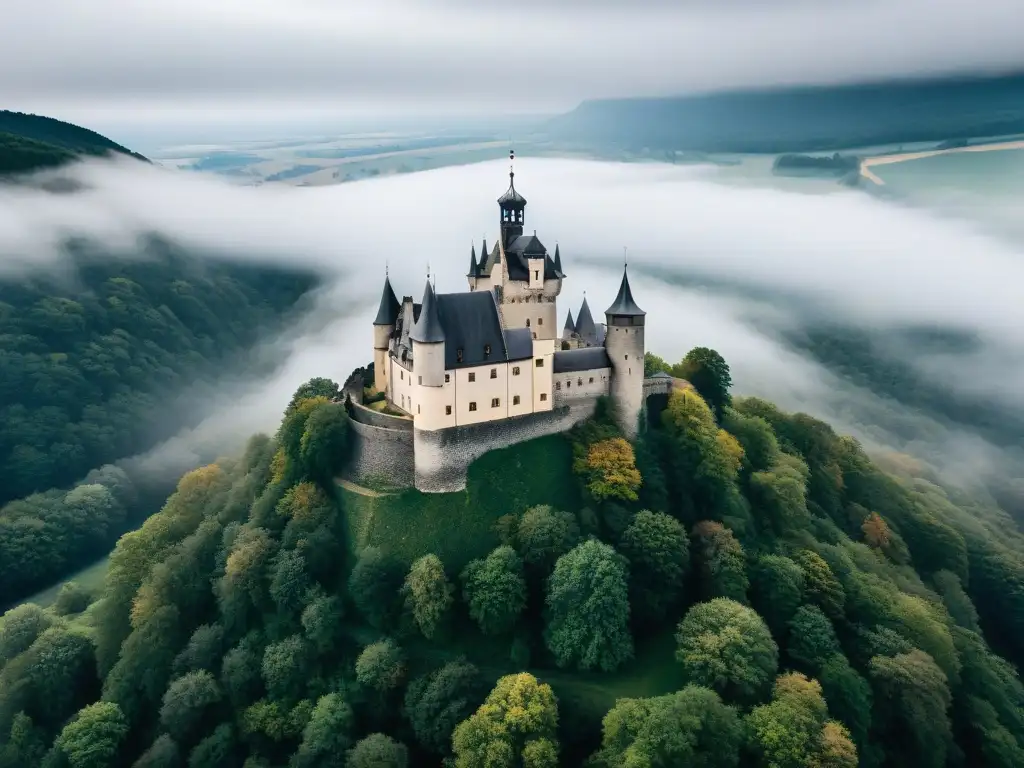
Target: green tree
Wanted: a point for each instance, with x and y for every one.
(19, 629)
(240, 672)
(285, 668)
(205, 650)
(322, 622)
(428, 594)
(327, 736)
(912, 696)
(709, 374)
(218, 750)
(755, 435)
(92, 739)
(812, 639)
(24, 745)
(588, 608)
(495, 590)
(381, 666)
(378, 751)
(849, 697)
(821, 585)
(721, 563)
(439, 701)
(72, 598)
(658, 551)
(543, 535)
(776, 590)
(779, 495)
(187, 704)
(162, 753)
(654, 364)
(515, 726)
(725, 646)
(315, 387)
(325, 440)
(375, 585)
(689, 727)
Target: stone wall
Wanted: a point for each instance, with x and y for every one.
(381, 456)
(370, 417)
(443, 456)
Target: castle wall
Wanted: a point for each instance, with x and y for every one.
(576, 384)
(383, 455)
(443, 456)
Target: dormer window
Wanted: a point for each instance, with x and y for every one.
(487, 350)
(458, 355)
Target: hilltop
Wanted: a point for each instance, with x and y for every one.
(736, 586)
(33, 142)
(802, 119)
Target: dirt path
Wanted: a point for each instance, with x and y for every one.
(348, 485)
(868, 162)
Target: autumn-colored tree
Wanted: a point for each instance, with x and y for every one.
(876, 532)
(609, 470)
(516, 726)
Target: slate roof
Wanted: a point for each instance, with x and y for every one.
(387, 313)
(585, 322)
(624, 304)
(570, 326)
(558, 262)
(523, 247)
(511, 197)
(428, 327)
(473, 268)
(470, 322)
(582, 359)
(519, 343)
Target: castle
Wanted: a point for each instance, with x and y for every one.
(464, 373)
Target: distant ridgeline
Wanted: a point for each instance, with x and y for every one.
(830, 165)
(802, 119)
(32, 142)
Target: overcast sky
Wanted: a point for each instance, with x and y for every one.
(209, 60)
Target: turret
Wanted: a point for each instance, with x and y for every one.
(513, 209)
(624, 342)
(474, 270)
(569, 329)
(558, 263)
(383, 330)
(585, 327)
(428, 343)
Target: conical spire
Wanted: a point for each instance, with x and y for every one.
(427, 329)
(624, 306)
(387, 313)
(570, 326)
(558, 262)
(472, 262)
(585, 323)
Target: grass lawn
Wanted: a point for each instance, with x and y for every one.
(458, 527)
(90, 577)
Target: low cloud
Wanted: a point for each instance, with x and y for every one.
(737, 269)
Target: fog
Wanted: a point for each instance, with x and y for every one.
(712, 264)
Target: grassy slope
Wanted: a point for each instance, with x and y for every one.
(458, 527)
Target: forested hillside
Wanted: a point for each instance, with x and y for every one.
(31, 142)
(741, 586)
(90, 367)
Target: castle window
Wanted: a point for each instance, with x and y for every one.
(420, 380)
(540, 362)
(591, 379)
(568, 385)
(447, 378)
(515, 400)
(543, 396)
(579, 382)
(419, 409)
(447, 410)
(458, 354)
(558, 385)
(487, 349)
(540, 321)
(515, 370)
(472, 406)
(535, 335)
(401, 375)
(627, 357)
(494, 373)
(495, 402)
(536, 274)
(527, 322)
(472, 376)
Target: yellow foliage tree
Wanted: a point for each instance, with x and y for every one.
(731, 450)
(876, 532)
(610, 470)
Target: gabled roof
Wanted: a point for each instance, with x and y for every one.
(428, 328)
(582, 359)
(624, 306)
(387, 312)
(585, 322)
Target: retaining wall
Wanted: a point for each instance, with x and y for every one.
(381, 455)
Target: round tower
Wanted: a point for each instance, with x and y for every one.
(383, 330)
(428, 343)
(624, 342)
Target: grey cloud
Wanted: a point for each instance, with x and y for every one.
(489, 55)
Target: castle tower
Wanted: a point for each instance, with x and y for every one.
(428, 343)
(513, 209)
(624, 342)
(383, 329)
(569, 329)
